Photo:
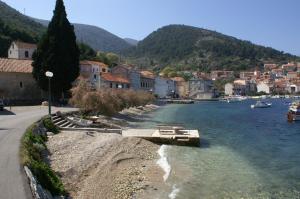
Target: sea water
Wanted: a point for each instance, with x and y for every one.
(244, 152)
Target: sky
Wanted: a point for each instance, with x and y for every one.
(272, 23)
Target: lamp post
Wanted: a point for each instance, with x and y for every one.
(49, 75)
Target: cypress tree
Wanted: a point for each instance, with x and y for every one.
(57, 52)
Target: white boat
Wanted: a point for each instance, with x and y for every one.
(235, 99)
(260, 104)
(294, 112)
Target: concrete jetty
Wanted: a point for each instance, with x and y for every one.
(166, 134)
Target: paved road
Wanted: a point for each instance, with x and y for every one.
(13, 183)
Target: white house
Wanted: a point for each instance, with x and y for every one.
(21, 50)
(164, 87)
(264, 87)
(229, 89)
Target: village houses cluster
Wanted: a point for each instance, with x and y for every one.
(274, 79)
(17, 83)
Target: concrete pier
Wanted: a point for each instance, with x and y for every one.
(166, 136)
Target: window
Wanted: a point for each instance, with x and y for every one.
(10, 52)
(111, 85)
(26, 54)
(95, 76)
(103, 70)
(21, 84)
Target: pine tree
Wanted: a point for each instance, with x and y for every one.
(57, 52)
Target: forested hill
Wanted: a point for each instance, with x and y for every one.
(15, 26)
(98, 38)
(22, 27)
(191, 48)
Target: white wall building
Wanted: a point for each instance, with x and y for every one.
(21, 50)
(229, 89)
(264, 87)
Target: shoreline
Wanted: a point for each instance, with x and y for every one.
(92, 164)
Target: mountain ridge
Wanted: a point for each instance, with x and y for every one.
(192, 48)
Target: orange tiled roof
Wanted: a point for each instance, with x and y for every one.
(21, 44)
(88, 62)
(114, 78)
(15, 65)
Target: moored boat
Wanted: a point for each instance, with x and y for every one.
(294, 112)
(260, 104)
(235, 99)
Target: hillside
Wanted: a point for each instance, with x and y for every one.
(191, 48)
(98, 38)
(15, 26)
(132, 42)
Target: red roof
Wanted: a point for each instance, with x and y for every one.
(114, 78)
(87, 62)
(15, 65)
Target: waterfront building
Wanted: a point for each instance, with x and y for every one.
(182, 87)
(229, 89)
(165, 87)
(21, 50)
(264, 87)
(147, 81)
(201, 88)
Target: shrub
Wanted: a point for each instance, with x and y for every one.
(49, 125)
(32, 146)
(109, 101)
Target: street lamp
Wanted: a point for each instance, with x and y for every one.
(49, 75)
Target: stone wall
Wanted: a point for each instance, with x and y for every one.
(19, 86)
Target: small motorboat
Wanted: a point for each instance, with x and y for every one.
(260, 104)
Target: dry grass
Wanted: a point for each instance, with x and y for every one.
(108, 101)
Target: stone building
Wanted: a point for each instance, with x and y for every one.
(91, 71)
(164, 87)
(130, 73)
(147, 81)
(21, 50)
(16, 81)
(201, 88)
(109, 80)
(182, 87)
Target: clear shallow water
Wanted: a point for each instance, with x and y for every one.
(244, 153)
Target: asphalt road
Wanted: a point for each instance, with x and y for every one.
(13, 183)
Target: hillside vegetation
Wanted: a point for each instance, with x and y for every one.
(28, 29)
(15, 26)
(191, 48)
(97, 38)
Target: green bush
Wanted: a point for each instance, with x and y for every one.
(31, 150)
(49, 125)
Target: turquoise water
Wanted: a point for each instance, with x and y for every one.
(244, 153)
